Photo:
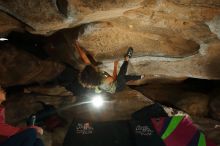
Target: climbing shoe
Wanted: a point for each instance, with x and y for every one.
(129, 52)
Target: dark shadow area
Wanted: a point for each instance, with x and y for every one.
(200, 85)
(212, 67)
(36, 45)
(190, 93)
(190, 84)
(62, 6)
(29, 42)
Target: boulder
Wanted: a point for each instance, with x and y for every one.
(215, 108)
(8, 24)
(189, 98)
(195, 104)
(21, 68)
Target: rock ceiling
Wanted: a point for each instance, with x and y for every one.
(173, 39)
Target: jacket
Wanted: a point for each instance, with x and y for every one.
(6, 130)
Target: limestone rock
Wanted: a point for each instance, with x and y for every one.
(111, 40)
(19, 67)
(194, 104)
(43, 16)
(181, 96)
(171, 39)
(215, 108)
(174, 58)
(48, 90)
(61, 46)
(36, 15)
(8, 24)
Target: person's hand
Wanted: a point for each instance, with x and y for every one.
(2, 95)
(39, 130)
(116, 62)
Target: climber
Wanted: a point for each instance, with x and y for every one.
(69, 78)
(16, 136)
(84, 66)
(106, 82)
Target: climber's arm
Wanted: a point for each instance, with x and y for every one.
(82, 54)
(115, 69)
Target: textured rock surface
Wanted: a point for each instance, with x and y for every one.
(194, 103)
(215, 108)
(36, 15)
(172, 39)
(191, 98)
(8, 24)
(44, 16)
(19, 67)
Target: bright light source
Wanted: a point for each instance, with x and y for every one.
(3, 39)
(97, 101)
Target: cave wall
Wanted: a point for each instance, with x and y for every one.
(171, 39)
